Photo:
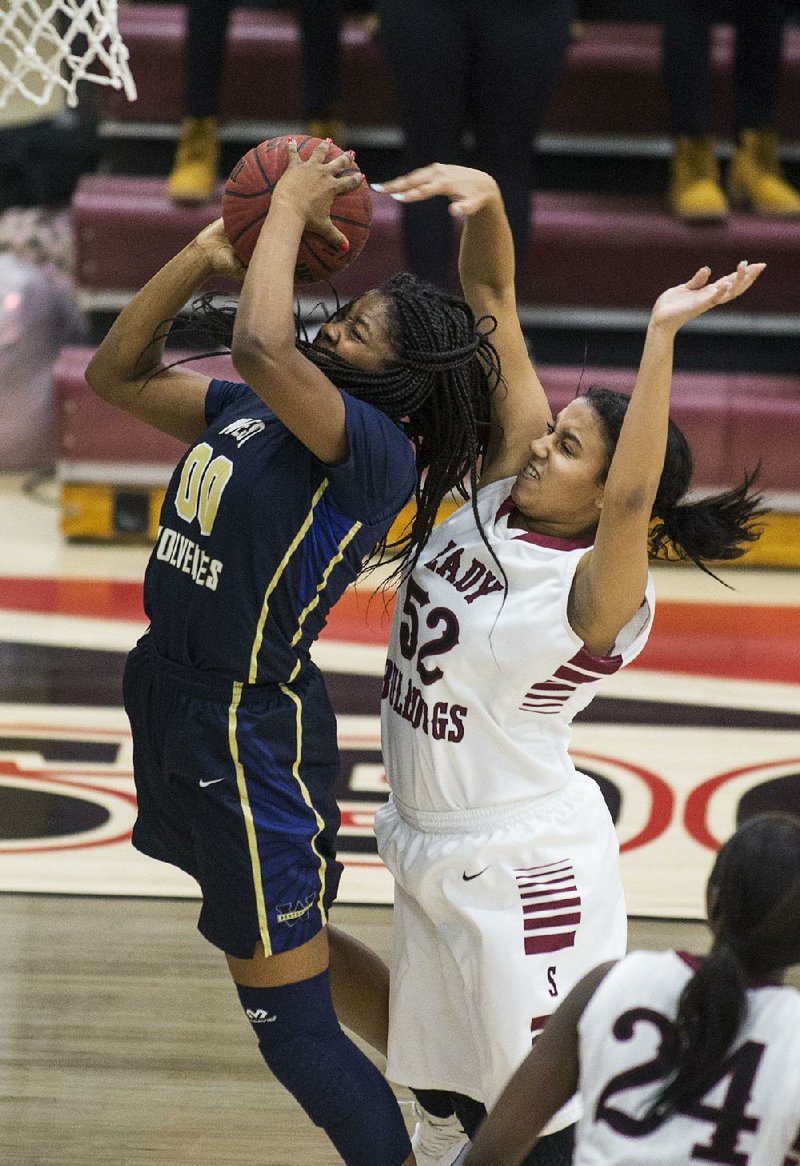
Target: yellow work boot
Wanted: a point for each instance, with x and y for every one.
(194, 171)
(755, 177)
(327, 127)
(695, 194)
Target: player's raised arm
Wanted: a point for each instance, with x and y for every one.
(264, 349)
(486, 266)
(127, 369)
(611, 579)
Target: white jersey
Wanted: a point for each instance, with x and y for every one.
(750, 1117)
(481, 685)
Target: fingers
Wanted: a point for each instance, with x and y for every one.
(426, 182)
(678, 305)
(416, 192)
(424, 178)
(728, 287)
(346, 182)
(699, 279)
(332, 235)
(344, 160)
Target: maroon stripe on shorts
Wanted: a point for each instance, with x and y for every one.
(537, 944)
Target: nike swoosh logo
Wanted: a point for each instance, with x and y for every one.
(213, 781)
(468, 878)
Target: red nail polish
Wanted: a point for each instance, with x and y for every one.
(345, 246)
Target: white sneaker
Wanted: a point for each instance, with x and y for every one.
(437, 1141)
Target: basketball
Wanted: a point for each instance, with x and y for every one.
(248, 193)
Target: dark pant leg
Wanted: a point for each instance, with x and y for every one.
(320, 23)
(518, 51)
(757, 67)
(469, 1112)
(554, 1150)
(686, 66)
(425, 46)
(204, 55)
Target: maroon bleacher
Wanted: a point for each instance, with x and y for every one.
(726, 417)
(586, 249)
(90, 431)
(612, 83)
(262, 75)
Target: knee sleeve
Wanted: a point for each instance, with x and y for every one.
(339, 1088)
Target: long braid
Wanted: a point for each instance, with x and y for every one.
(437, 389)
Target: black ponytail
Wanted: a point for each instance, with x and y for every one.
(715, 528)
(718, 527)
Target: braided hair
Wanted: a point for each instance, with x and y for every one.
(437, 388)
(713, 528)
(756, 918)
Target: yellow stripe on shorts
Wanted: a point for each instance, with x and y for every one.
(249, 825)
(307, 797)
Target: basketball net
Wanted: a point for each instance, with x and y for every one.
(39, 53)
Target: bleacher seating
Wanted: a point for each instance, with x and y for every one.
(598, 255)
(723, 419)
(590, 248)
(598, 250)
(612, 83)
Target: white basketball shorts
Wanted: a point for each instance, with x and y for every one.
(498, 913)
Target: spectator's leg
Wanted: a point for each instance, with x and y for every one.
(518, 52)
(194, 171)
(204, 56)
(755, 177)
(320, 23)
(695, 194)
(758, 61)
(686, 66)
(425, 47)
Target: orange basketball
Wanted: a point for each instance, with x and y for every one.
(248, 193)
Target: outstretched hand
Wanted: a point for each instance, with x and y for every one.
(676, 306)
(467, 190)
(311, 187)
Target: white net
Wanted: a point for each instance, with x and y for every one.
(51, 44)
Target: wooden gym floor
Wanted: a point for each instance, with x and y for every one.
(121, 1040)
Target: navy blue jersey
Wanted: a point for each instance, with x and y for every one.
(258, 538)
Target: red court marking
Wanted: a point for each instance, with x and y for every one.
(738, 641)
(93, 598)
(735, 641)
(662, 798)
(695, 815)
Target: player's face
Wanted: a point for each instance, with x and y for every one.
(360, 335)
(560, 488)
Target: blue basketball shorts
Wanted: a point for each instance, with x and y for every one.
(235, 785)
